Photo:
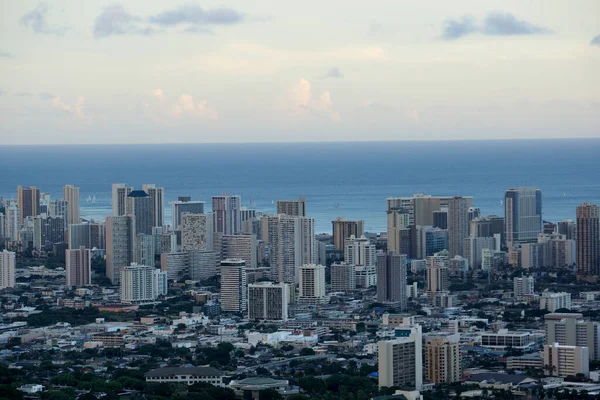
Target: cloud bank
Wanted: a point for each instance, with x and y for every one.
(494, 24)
(36, 20)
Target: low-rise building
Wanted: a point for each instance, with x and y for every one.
(188, 375)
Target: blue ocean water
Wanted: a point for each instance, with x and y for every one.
(350, 180)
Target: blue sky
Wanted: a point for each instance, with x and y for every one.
(266, 71)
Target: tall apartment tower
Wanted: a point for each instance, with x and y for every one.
(391, 278)
(119, 199)
(140, 204)
(458, 225)
(88, 235)
(184, 205)
(522, 214)
(344, 229)
(196, 232)
(242, 247)
(233, 285)
(398, 222)
(292, 243)
(523, 286)
(442, 361)
(145, 249)
(566, 361)
(311, 284)
(588, 242)
(140, 283)
(11, 222)
(268, 301)
(28, 202)
(437, 278)
(158, 203)
(294, 208)
(7, 269)
(78, 267)
(227, 214)
(71, 195)
(570, 329)
(401, 359)
(120, 245)
(360, 253)
(343, 277)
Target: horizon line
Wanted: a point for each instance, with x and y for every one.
(299, 142)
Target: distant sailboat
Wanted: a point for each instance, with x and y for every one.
(501, 202)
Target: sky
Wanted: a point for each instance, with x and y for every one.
(150, 71)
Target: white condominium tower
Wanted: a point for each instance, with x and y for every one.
(292, 243)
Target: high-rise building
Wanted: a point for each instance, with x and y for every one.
(523, 214)
(59, 209)
(227, 217)
(233, 285)
(88, 235)
(145, 249)
(141, 283)
(184, 205)
(344, 229)
(158, 203)
(523, 286)
(420, 207)
(196, 232)
(398, 222)
(311, 284)
(140, 204)
(442, 361)
(119, 199)
(358, 250)
(566, 361)
(458, 225)
(2, 227)
(391, 278)
(401, 359)
(294, 208)
(71, 196)
(28, 202)
(202, 264)
(487, 227)
(120, 245)
(292, 243)
(242, 247)
(568, 227)
(78, 267)
(440, 219)
(268, 301)
(7, 269)
(47, 232)
(176, 265)
(588, 242)
(12, 223)
(343, 277)
(473, 250)
(437, 278)
(570, 329)
(555, 301)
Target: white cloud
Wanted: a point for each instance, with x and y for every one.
(184, 106)
(75, 109)
(303, 102)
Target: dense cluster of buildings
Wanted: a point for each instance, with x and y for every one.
(276, 268)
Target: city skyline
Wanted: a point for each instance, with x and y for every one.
(268, 72)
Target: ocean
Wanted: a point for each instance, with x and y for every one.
(350, 180)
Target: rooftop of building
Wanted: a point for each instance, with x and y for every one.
(173, 371)
(138, 193)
